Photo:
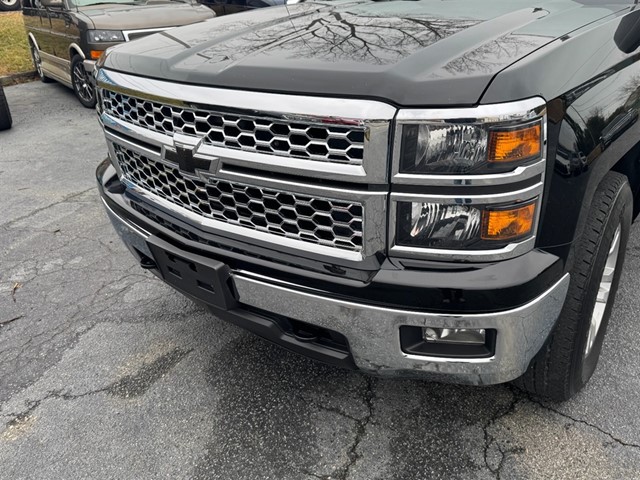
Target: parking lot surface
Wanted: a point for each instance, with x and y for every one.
(105, 372)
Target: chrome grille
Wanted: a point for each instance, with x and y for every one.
(310, 141)
(334, 223)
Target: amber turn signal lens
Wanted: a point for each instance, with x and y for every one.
(514, 145)
(95, 54)
(508, 224)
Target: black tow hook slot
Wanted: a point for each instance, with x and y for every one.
(305, 334)
(148, 264)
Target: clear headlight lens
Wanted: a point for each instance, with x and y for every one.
(435, 225)
(440, 226)
(468, 179)
(100, 36)
(452, 148)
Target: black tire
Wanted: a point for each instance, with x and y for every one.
(9, 5)
(82, 83)
(37, 63)
(565, 363)
(5, 114)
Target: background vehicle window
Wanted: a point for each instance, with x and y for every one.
(86, 3)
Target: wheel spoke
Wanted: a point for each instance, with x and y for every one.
(604, 289)
(603, 293)
(37, 61)
(607, 275)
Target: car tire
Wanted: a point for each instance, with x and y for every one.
(9, 5)
(570, 356)
(37, 63)
(5, 113)
(82, 84)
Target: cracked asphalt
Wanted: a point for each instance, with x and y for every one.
(107, 373)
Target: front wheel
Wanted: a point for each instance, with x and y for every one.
(82, 83)
(570, 355)
(9, 5)
(37, 63)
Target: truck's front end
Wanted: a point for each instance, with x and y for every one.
(387, 222)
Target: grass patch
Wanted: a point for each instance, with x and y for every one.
(14, 49)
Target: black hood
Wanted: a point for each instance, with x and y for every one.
(425, 52)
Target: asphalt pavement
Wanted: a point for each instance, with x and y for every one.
(105, 372)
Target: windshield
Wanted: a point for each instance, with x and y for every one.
(88, 3)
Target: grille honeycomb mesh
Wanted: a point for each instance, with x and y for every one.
(333, 223)
(318, 142)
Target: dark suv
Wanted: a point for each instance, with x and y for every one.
(66, 37)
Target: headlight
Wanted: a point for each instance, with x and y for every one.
(444, 148)
(468, 181)
(442, 226)
(100, 36)
(483, 140)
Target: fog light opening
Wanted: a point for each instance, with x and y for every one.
(448, 342)
(461, 336)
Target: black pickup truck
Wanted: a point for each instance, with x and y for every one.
(441, 189)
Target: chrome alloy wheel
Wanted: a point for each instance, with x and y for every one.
(603, 291)
(37, 61)
(82, 83)
(9, 3)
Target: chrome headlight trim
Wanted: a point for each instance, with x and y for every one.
(533, 174)
(511, 250)
(503, 114)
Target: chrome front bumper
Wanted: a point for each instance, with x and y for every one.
(373, 332)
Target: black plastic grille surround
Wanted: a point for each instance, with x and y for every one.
(310, 141)
(333, 223)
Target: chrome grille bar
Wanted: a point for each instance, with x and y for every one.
(311, 141)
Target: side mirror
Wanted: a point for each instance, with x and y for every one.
(627, 36)
(52, 3)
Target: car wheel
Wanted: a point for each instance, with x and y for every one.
(5, 114)
(9, 5)
(82, 83)
(569, 357)
(37, 63)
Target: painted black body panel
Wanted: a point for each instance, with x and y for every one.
(422, 53)
(593, 93)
